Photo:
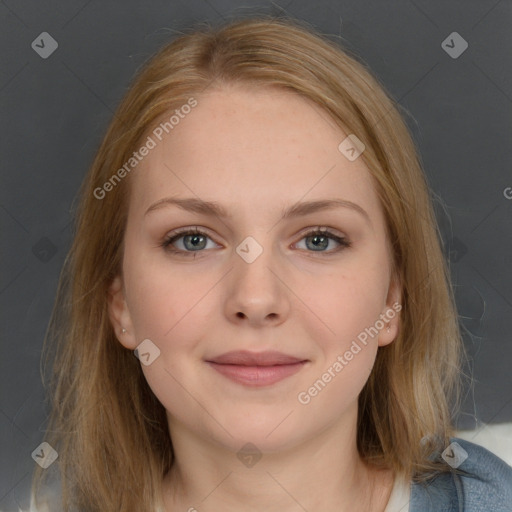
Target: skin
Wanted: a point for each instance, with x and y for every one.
(256, 152)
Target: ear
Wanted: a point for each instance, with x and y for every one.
(120, 315)
(391, 313)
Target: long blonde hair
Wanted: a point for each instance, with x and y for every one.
(106, 424)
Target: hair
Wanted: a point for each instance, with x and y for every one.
(109, 429)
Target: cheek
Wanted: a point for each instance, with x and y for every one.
(347, 303)
(167, 305)
(350, 308)
(166, 308)
(158, 295)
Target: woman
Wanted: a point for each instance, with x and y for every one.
(256, 313)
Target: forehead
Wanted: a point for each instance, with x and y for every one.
(252, 148)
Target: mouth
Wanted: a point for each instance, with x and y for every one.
(256, 369)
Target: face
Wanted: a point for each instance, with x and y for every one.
(250, 279)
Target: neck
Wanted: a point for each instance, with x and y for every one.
(324, 473)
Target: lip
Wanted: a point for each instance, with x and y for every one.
(256, 369)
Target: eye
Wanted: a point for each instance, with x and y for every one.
(319, 239)
(192, 241)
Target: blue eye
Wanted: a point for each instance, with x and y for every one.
(195, 241)
(320, 239)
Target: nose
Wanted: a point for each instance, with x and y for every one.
(256, 294)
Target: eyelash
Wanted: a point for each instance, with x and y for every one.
(318, 231)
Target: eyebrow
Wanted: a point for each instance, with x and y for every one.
(211, 208)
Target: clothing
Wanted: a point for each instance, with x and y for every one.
(487, 486)
(400, 497)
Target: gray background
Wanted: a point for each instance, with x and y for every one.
(55, 112)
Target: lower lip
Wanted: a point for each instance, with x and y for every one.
(257, 376)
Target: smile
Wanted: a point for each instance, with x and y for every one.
(257, 376)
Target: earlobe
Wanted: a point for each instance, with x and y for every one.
(119, 314)
(389, 333)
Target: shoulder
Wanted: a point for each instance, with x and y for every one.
(483, 483)
(488, 482)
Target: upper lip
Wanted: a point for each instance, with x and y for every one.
(247, 358)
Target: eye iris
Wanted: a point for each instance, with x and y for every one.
(195, 240)
(322, 244)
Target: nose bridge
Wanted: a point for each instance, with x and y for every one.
(253, 263)
(256, 293)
